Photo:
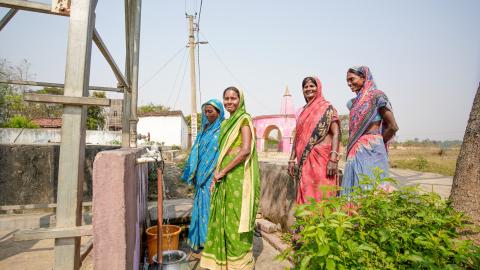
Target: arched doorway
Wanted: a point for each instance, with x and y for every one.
(272, 139)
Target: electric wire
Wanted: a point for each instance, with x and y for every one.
(162, 67)
(255, 98)
(198, 54)
(180, 87)
(174, 86)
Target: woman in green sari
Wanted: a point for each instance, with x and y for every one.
(235, 191)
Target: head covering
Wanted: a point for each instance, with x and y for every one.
(309, 118)
(230, 130)
(205, 144)
(364, 106)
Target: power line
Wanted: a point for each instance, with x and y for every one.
(184, 58)
(162, 67)
(199, 15)
(181, 84)
(233, 75)
(198, 52)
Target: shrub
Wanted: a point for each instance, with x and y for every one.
(19, 121)
(404, 229)
(421, 162)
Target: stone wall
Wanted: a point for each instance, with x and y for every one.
(28, 173)
(278, 193)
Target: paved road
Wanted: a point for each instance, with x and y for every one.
(427, 181)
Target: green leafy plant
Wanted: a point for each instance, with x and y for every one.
(20, 121)
(373, 229)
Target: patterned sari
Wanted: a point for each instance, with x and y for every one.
(312, 150)
(234, 201)
(199, 172)
(365, 150)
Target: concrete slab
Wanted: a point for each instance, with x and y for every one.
(174, 211)
(265, 257)
(32, 255)
(438, 183)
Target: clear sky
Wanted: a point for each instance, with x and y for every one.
(425, 55)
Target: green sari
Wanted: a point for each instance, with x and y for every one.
(234, 200)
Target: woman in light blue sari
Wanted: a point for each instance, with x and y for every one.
(199, 170)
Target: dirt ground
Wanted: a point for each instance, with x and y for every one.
(33, 254)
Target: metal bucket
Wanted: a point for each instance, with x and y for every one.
(172, 260)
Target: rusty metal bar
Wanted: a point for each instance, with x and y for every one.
(7, 17)
(30, 6)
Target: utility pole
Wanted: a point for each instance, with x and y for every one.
(193, 83)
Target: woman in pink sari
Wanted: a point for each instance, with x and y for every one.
(316, 145)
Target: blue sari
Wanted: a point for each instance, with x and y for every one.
(199, 171)
(366, 149)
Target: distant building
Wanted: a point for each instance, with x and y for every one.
(284, 123)
(48, 122)
(114, 115)
(168, 127)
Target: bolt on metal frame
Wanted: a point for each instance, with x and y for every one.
(81, 33)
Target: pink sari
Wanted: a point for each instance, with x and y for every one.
(312, 148)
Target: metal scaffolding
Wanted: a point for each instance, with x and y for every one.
(81, 33)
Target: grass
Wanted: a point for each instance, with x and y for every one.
(425, 159)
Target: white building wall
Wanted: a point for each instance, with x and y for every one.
(45, 136)
(168, 129)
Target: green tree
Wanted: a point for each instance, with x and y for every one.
(95, 115)
(11, 100)
(344, 129)
(49, 110)
(20, 121)
(188, 119)
(152, 108)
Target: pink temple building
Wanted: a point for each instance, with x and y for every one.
(284, 123)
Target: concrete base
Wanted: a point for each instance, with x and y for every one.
(120, 209)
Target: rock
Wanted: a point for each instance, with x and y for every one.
(266, 226)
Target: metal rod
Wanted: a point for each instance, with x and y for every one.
(103, 49)
(7, 17)
(59, 99)
(59, 85)
(159, 214)
(136, 9)
(126, 107)
(143, 160)
(30, 6)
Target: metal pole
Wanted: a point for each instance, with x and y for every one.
(72, 147)
(7, 17)
(193, 83)
(136, 9)
(127, 96)
(159, 213)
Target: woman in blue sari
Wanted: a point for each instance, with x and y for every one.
(371, 127)
(200, 168)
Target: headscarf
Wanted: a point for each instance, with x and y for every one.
(205, 144)
(364, 106)
(228, 134)
(309, 119)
